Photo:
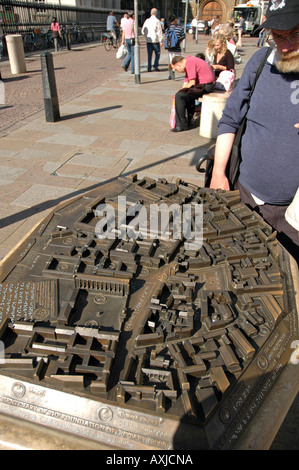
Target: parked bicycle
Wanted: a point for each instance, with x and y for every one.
(48, 40)
(37, 40)
(78, 35)
(33, 41)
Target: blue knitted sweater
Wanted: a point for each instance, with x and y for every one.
(270, 144)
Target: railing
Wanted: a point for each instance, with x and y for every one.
(32, 20)
(23, 16)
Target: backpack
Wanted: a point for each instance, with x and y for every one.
(171, 39)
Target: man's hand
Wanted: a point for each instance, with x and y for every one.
(185, 85)
(189, 84)
(297, 125)
(219, 182)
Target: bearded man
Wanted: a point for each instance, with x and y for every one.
(269, 170)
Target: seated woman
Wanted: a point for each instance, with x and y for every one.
(222, 57)
(228, 32)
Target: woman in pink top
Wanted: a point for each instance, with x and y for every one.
(55, 29)
(128, 38)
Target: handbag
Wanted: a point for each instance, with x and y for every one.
(225, 80)
(233, 166)
(132, 40)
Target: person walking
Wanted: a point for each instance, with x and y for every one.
(152, 30)
(194, 24)
(241, 27)
(128, 38)
(269, 170)
(123, 21)
(262, 33)
(174, 50)
(55, 32)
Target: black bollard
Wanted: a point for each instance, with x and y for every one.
(68, 41)
(49, 88)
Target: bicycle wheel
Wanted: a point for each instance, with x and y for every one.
(74, 37)
(39, 42)
(108, 44)
(28, 43)
(117, 42)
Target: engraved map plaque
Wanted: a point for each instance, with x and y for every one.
(28, 300)
(146, 342)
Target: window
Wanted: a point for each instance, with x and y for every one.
(177, 9)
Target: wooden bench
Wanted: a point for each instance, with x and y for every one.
(212, 105)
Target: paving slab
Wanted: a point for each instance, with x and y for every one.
(69, 139)
(9, 174)
(38, 193)
(103, 158)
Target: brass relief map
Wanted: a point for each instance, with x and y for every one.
(146, 343)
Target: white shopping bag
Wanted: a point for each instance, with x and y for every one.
(121, 52)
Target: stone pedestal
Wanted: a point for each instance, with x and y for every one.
(16, 54)
(211, 111)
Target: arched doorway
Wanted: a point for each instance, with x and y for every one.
(211, 10)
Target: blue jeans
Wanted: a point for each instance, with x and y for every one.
(130, 56)
(261, 39)
(153, 47)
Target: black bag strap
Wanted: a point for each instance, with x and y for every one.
(257, 75)
(235, 158)
(259, 70)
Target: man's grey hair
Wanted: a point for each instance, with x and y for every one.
(154, 11)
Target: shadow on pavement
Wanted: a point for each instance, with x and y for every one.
(54, 202)
(87, 113)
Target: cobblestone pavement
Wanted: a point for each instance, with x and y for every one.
(78, 70)
(109, 126)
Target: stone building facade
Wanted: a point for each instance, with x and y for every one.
(207, 9)
(213, 9)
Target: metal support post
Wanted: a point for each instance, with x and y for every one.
(49, 88)
(185, 26)
(197, 18)
(136, 47)
(68, 40)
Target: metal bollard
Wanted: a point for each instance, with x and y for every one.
(49, 88)
(68, 41)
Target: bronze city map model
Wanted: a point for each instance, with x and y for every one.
(146, 343)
